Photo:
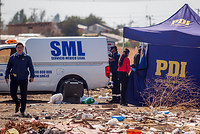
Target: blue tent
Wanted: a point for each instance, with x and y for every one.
(180, 29)
(173, 50)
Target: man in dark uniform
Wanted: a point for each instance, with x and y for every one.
(137, 58)
(17, 68)
(113, 62)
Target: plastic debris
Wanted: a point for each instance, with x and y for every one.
(56, 99)
(103, 118)
(89, 100)
(175, 131)
(112, 122)
(87, 116)
(133, 131)
(118, 117)
(163, 112)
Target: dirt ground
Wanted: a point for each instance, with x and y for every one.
(37, 106)
(143, 118)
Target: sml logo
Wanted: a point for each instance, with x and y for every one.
(181, 22)
(174, 68)
(65, 50)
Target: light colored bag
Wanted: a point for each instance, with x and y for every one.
(56, 99)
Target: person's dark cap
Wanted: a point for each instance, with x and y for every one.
(113, 46)
(19, 43)
(126, 51)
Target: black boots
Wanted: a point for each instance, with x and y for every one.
(115, 99)
(17, 108)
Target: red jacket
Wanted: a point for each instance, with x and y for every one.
(125, 66)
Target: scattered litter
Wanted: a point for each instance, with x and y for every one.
(23, 126)
(133, 131)
(88, 100)
(112, 122)
(12, 131)
(118, 117)
(175, 131)
(163, 112)
(105, 118)
(56, 99)
(87, 116)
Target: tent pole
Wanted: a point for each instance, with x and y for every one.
(141, 51)
(123, 45)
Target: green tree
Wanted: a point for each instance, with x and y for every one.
(88, 21)
(42, 15)
(120, 26)
(22, 17)
(76, 19)
(92, 19)
(115, 31)
(69, 27)
(56, 18)
(19, 18)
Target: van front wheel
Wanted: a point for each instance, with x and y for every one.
(61, 87)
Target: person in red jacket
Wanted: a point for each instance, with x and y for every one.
(123, 70)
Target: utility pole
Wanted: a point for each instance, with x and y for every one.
(198, 11)
(0, 21)
(34, 13)
(149, 17)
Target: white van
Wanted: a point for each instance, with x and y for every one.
(57, 59)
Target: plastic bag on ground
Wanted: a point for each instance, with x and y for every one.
(56, 99)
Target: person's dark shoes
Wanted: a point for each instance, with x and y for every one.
(17, 109)
(124, 104)
(113, 101)
(23, 115)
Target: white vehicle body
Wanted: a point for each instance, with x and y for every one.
(57, 59)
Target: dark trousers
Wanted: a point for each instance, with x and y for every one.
(123, 79)
(116, 88)
(23, 92)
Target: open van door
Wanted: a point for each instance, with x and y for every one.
(110, 43)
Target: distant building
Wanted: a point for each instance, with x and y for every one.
(99, 28)
(44, 28)
(82, 28)
(112, 37)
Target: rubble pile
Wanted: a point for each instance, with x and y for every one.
(25, 127)
(111, 119)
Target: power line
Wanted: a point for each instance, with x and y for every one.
(34, 13)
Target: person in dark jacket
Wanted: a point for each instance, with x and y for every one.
(113, 63)
(17, 68)
(137, 57)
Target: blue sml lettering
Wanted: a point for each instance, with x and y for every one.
(79, 45)
(70, 48)
(56, 51)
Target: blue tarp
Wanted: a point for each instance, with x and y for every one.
(174, 43)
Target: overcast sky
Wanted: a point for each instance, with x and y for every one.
(113, 12)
